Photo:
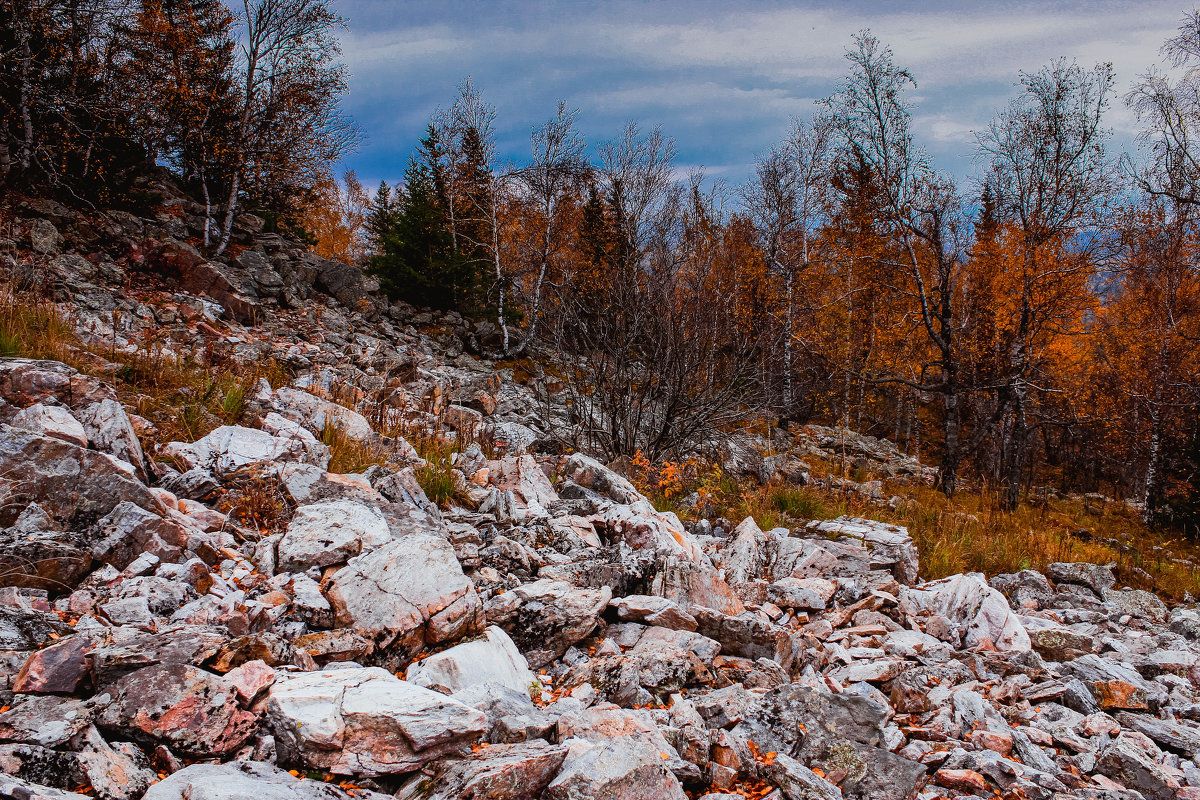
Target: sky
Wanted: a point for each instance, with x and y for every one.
(723, 79)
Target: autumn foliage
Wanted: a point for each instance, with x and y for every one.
(1037, 328)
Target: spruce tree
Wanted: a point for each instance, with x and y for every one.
(416, 260)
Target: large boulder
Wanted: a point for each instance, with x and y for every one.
(546, 617)
(620, 769)
(982, 614)
(491, 659)
(239, 780)
(591, 474)
(54, 421)
(24, 382)
(329, 533)
(504, 772)
(316, 413)
(409, 593)
(35, 553)
(890, 545)
(74, 485)
(192, 711)
(231, 448)
(130, 530)
(109, 429)
(366, 721)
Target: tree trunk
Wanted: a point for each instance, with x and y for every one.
(499, 273)
(1013, 458)
(207, 207)
(25, 156)
(1153, 457)
(788, 396)
(948, 474)
(231, 209)
(541, 279)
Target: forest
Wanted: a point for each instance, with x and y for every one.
(1036, 327)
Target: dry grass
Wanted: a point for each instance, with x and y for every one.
(971, 533)
(349, 455)
(181, 397)
(968, 534)
(32, 327)
(256, 501)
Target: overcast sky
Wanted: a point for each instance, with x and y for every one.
(722, 78)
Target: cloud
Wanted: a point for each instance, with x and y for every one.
(723, 79)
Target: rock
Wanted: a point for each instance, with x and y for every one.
(964, 780)
(513, 437)
(230, 448)
(890, 545)
(114, 771)
(59, 668)
(17, 789)
(798, 782)
(809, 722)
(1122, 761)
(967, 600)
(1061, 644)
(44, 238)
(500, 772)
(797, 593)
(74, 485)
(492, 659)
(130, 530)
(329, 533)
(193, 711)
(35, 554)
(619, 769)
(366, 721)
(1096, 577)
(1174, 734)
(409, 593)
(1136, 603)
(1120, 694)
(113, 660)
(24, 382)
(232, 288)
(195, 484)
(591, 474)
(546, 617)
(249, 679)
(653, 610)
(53, 421)
(239, 780)
(45, 720)
(29, 629)
(511, 714)
(316, 413)
(109, 430)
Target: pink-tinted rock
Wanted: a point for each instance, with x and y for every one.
(249, 679)
(194, 712)
(60, 668)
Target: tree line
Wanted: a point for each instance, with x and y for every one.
(242, 106)
(1037, 326)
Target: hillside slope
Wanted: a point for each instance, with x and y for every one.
(267, 535)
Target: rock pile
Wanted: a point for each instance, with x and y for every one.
(550, 635)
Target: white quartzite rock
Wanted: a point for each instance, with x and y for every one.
(970, 602)
(231, 448)
(366, 721)
(408, 593)
(492, 659)
(328, 533)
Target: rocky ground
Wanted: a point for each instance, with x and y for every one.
(549, 634)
